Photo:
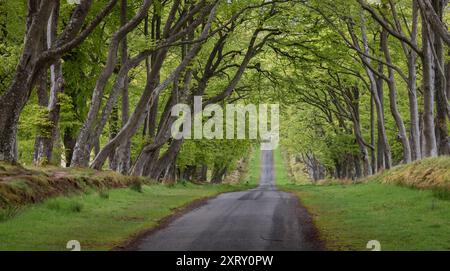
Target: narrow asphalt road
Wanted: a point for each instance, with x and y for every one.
(258, 219)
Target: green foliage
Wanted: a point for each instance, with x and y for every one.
(12, 27)
(68, 118)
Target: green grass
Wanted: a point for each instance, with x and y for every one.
(388, 208)
(98, 221)
(254, 167)
(281, 174)
(401, 218)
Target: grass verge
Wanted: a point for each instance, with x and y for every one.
(400, 218)
(97, 221)
(253, 173)
(405, 208)
(281, 172)
(20, 186)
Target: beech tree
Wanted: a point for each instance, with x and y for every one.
(363, 85)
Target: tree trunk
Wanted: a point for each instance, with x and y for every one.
(440, 86)
(202, 173)
(150, 123)
(188, 173)
(148, 96)
(166, 159)
(69, 141)
(358, 134)
(387, 158)
(113, 130)
(42, 96)
(372, 136)
(393, 100)
(374, 88)
(411, 57)
(218, 174)
(381, 157)
(32, 62)
(16, 96)
(88, 133)
(430, 146)
(45, 148)
(124, 150)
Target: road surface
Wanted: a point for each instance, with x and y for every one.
(258, 219)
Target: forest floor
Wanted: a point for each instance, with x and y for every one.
(406, 208)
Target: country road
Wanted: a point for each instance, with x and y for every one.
(259, 219)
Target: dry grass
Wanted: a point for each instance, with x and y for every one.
(20, 186)
(297, 171)
(431, 173)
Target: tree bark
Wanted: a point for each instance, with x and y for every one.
(45, 148)
(358, 134)
(381, 157)
(16, 96)
(442, 106)
(411, 57)
(202, 173)
(157, 169)
(69, 141)
(148, 96)
(430, 146)
(32, 62)
(86, 138)
(218, 174)
(374, 89)
(393, 100)
(124, 150)
(372, 135)
(113, 130)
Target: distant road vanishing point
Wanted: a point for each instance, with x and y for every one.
(259, 219)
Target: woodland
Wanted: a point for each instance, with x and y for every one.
(363, 85)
